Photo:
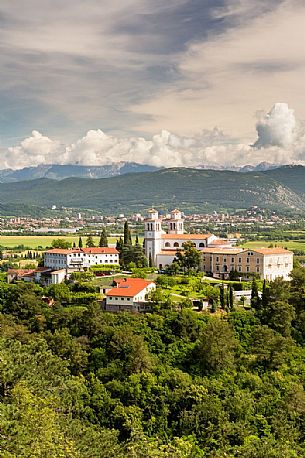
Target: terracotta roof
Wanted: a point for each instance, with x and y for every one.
(93, 250)
(175, 211)
(223, 250)
(220, 242)
(276, 250)
(186, 236)
(102, 250)
(59, 251)
(129, 287)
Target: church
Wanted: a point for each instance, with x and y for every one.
(219, 257)
(161, 246)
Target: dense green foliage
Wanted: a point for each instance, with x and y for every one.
(78, 382)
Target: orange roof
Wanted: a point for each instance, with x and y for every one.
(186, 236)
(129, 287)
(93, 250)
(223, 250)
(220, 242)
(276, 250)
(59, 251)
(98, 250)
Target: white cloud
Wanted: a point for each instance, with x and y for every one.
(276, 128)
(278, 142)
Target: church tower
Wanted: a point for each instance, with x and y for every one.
(175, 224)
(152, 236)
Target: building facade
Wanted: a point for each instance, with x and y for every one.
(80, 258)
(219, 257)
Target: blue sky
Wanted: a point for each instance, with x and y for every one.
(135, 67)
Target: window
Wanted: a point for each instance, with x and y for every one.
(217, 258)
(122, 298)
(217, 268)
(239, 260)
(167, 244)
(257, 269)
(128, 298)
(248, 269)
(239, 269)
(248, 260)
(225, 260)
(232, 260)
(176, 244)
(201, 245)
(257, 260)
(250, 253)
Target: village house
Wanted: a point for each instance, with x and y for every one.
(129, 294)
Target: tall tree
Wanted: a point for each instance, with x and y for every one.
(189, 258)
(255, 300)
(90, 242)
(80, 242)
(103, 238)
(127, 234)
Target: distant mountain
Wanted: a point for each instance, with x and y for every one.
(189, 189)
(60, 172)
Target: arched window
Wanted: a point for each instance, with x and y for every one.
(176, 244)
(201, 245)
(167, 244)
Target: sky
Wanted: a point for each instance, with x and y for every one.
(176, 83)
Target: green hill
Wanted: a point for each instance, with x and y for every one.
(190, 189)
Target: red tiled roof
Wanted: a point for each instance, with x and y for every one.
(129, 287)
(102, 250)
(93, 250)
(186, 236)
(223, 250)
(276, 250)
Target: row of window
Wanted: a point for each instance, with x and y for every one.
(176, 245)
(117, 298)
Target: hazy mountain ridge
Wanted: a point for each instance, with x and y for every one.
(60, 172)
(190, 189)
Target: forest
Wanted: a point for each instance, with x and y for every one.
(76, 381)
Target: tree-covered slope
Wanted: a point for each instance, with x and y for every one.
(190, 189)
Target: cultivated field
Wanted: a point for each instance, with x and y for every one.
(43, 241)
(290, 245)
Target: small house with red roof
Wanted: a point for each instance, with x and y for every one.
(129, 294)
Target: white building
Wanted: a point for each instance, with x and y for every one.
(160, 246)
(79, 258)
(129, 294)
(219, 257)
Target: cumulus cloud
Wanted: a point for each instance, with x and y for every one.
(279, 141)
(276, 128)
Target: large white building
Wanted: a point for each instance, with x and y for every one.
(80, 258)
(219, 257)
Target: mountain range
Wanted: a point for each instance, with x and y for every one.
(192, 190)
(60, 172)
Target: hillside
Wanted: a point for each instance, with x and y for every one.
(190, 189)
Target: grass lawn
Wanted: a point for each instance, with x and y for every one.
(34, 241)
(290, 245)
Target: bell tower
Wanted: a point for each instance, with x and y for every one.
(175, 224)
(152, 235)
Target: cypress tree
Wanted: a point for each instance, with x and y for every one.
(80, 243)
(255, 302)
(231, 298)
(90, 242)
(127, 234)
(222, 297)
(103, 239)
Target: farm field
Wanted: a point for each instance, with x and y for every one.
(292, 245)
(43, 241)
